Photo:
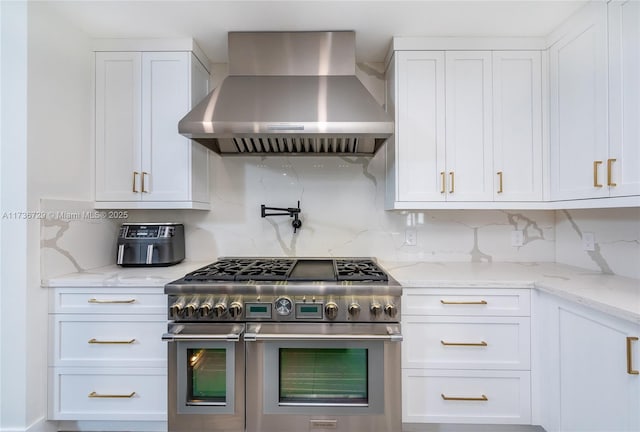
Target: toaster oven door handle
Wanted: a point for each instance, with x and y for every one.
(120, 254)
(150, 254)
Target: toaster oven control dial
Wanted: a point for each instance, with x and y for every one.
(235, 310)
(390, 310)
(331, 310)
(354, 310)
(376, 309)
(284, 306)
(220, 309)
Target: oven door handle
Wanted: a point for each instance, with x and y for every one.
(255, 337)
(230, 337)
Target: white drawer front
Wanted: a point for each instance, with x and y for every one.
(104, 340)
(507, 393)
(108, 394)
(466, 301)
(108, 301)
(466, 342)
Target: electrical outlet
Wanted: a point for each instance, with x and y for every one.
(410, 237)
(517, 238)
(588, 242)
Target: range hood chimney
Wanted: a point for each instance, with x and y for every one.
(292, 93)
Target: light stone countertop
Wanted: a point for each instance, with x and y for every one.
(616, 295)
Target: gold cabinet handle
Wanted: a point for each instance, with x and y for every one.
(96, 301)
(447, 302)
(133, 188)
(596, 164)
(630, 369)
(112, 396)
(482, 398)
(453, 182)
(476, 344)
(96, 341)
(609, 173)
(444, 181)
(499, 181)
(143, 188)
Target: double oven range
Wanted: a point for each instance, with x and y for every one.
(285, 345)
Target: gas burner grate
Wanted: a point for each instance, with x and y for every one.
(271, 270)
(223, 270)
(359, 270)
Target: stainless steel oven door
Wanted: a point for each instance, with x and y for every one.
(205, 377)
(323, 377)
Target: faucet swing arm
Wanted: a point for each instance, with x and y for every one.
(279, 211)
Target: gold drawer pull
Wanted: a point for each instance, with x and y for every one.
(630, 369)
(96, 341)
(609, 173)
(444, 182)
(112, 396)
(453, 182)
(596, 164)
(480, 344)
(96, 301)
(500, 181)
(482, 398)
(446, 302)
(133, 188)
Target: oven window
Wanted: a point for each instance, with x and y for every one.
(207, 375)
(323, 376)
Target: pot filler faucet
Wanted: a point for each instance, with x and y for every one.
(289, 211)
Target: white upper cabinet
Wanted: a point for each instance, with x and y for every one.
(466, 123)
(420, 151)
(141, 160)
(578, 107)
(624, 97)
(467, 176)
(517, 126)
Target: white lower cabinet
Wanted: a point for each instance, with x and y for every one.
(466, 356)
(461, 396)
(588, 368)
(107, 362)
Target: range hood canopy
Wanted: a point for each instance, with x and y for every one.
(293, 93)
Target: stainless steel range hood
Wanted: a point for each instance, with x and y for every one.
(293, 93)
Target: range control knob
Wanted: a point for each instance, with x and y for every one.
(219, 309)
(376, 309)
(206, 307)
(191, 308)
(235, 310)
(390, 310)
(354, 310)
(331, 310)
(176, 308)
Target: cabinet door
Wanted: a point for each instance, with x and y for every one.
(421, 125)
(624, 97)
(118, 133)
(578, 107)
(597, 393)
(166, 155)
(517, 126)
(468, 126)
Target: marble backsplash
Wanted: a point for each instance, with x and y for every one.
(342, 202)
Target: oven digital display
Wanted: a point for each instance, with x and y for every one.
(258, 310)
(309, 311)
(324, 376)
(143, 231)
